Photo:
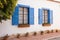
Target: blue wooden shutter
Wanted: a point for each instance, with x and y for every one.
(15, 16)
(40, 16)
(31, 16)
(50, 16)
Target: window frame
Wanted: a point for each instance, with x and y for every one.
(45, 16)
(46, 24)
(24, 15)
(24, 25)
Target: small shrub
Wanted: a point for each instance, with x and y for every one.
(18, 35)
(48, 31)
(35, 33)
(56, 30)
(42, 32)
(5, 37)
(51, 31)
(26, 34)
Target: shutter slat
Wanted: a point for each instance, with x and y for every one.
(15, 16)
(31, 16)
(50, 17)
(40, 16)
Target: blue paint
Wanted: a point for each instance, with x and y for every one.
(21, 5)
(40, 16)
(50, 17)
(15, 16)
(31, 16)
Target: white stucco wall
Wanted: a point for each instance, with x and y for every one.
(7, 28)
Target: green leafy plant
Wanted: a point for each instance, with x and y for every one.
(6, 9)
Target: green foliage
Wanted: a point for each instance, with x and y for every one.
(6, 9)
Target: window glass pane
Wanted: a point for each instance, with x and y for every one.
(20, 21)
(21, 15)
(25, 13)
(46, 21)
(46, 11)
(25, 9)
(20, 12)
(25, 21)
(21, 18)
(45, 16)
(25, 17)
(21, 9)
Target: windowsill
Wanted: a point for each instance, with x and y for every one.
(46, 24)
(23, 25)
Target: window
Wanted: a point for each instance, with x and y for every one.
(45, 17)
(23, 16)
